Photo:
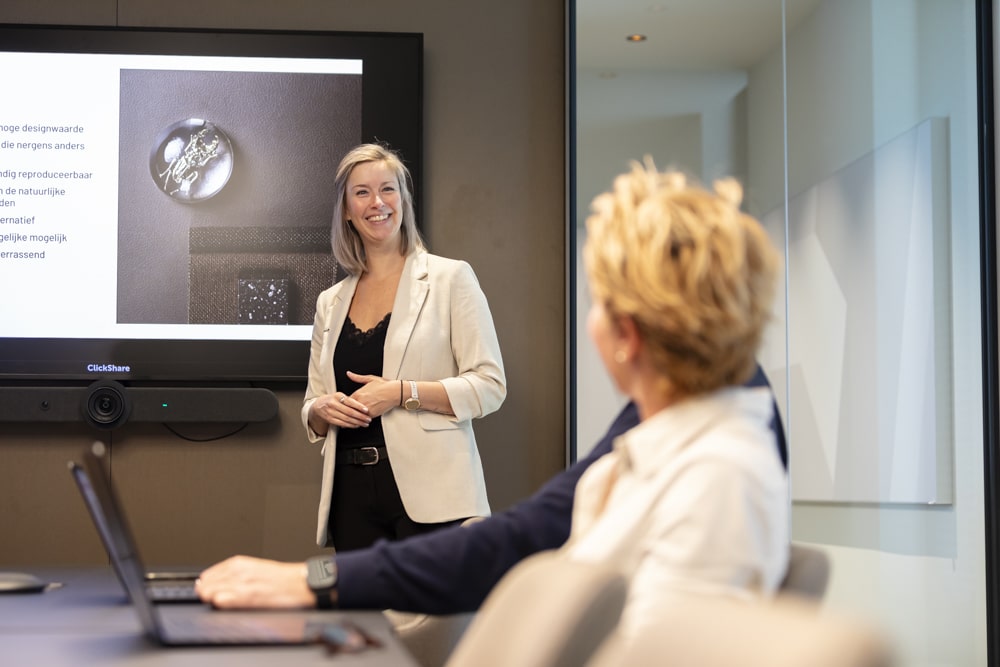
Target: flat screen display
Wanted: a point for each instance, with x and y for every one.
(166, 195)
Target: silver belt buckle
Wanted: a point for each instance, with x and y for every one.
(374, 451)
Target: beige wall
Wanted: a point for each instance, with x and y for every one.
(494, 177)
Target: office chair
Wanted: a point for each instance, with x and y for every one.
(548, 611)
(808, 572)
(716, 631)
(430, 638)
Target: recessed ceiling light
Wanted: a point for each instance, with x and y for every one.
(636, 37)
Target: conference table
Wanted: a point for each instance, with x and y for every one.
(87, 620)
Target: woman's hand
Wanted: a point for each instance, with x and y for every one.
(340, 410)
(376, 395)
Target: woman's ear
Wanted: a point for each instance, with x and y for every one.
(629, 339)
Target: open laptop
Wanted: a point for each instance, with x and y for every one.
(161, 586)
(201, 627)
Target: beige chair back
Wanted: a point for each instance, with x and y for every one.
(548, 611)
(789, 631)
(808, 572)
(430, 638)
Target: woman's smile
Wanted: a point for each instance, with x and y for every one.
(372, 202)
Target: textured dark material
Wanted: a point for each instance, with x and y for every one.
(259, 239)
(223, 260)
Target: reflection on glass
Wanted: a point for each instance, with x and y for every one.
(854, 132)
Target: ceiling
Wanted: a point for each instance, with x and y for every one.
(682, 34)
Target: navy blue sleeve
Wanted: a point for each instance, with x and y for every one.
(759, 379)
(451, 570)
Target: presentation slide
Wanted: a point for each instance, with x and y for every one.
(169, 197)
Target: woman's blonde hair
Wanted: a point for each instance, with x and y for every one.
(348, 249)
(694, 272)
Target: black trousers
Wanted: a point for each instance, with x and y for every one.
(366, 507)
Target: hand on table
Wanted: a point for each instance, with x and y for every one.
(245, 582)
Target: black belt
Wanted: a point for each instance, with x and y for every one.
(362, 456)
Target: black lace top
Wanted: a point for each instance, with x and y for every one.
(360, 352)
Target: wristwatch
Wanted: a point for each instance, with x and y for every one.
(413, 402)
(322, 579)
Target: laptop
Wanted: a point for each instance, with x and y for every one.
(161, 586)
(202, 626)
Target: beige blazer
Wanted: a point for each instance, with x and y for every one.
(441, 329)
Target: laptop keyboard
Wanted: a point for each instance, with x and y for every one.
(172, 592)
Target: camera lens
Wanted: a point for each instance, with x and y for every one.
(107, 406)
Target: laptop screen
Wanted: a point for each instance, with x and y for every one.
(102, 502)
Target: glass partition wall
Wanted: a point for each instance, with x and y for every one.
(853, 126)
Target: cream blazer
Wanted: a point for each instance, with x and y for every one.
(441, 329)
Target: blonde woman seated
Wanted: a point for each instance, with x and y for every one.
(694, 499)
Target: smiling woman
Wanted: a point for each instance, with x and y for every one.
(404, 356)
(373, 206)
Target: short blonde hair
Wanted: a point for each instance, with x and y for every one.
(348, 249)
(695, 274)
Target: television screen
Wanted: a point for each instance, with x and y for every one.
(166, 195)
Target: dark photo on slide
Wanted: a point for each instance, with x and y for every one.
(224, 201)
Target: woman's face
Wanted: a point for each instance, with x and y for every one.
(372, 202)
(607, 339)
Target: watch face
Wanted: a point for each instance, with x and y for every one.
(322, 573)
(412, 404)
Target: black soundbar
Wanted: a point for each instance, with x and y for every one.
(109, 404)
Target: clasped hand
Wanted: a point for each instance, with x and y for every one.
(375, 397)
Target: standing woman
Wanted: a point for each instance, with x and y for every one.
(404, 356)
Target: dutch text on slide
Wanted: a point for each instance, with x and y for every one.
(24, 234)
